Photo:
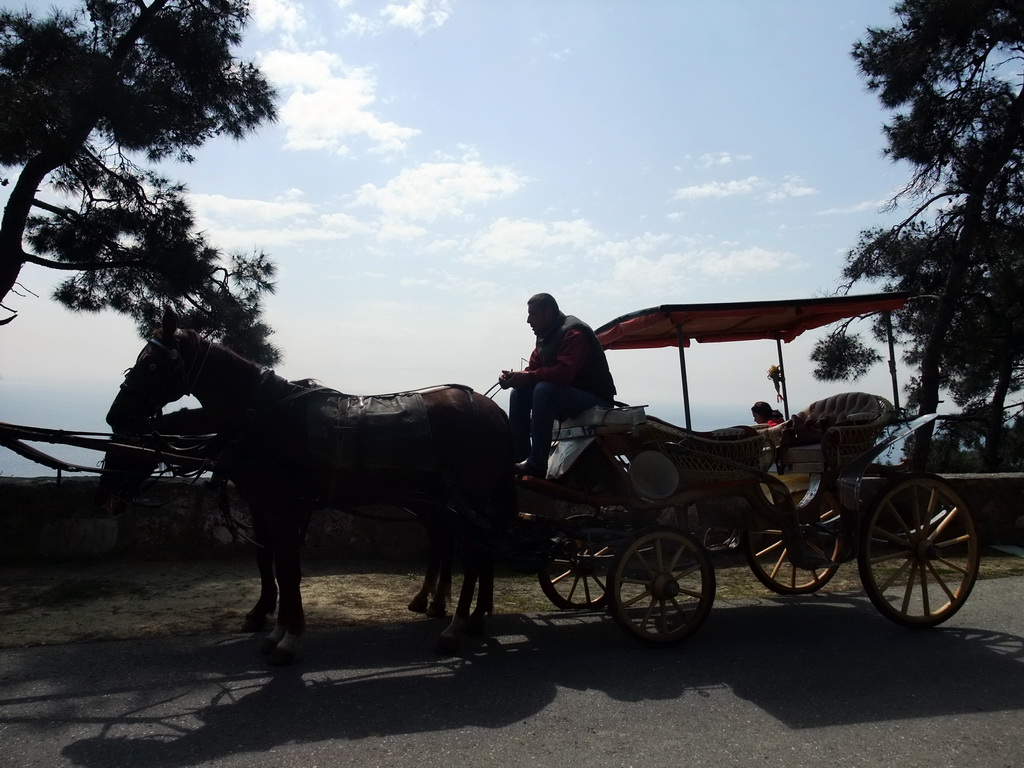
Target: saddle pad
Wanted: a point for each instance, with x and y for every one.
(372, 432)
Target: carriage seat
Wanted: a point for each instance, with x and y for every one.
(600, 419)
(830, 433)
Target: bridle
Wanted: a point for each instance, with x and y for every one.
(194, 370)
(185, 380)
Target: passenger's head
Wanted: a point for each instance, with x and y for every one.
(761, 412)
(542, 312)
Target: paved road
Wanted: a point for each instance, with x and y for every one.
(805, 681)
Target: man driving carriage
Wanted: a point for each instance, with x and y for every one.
(567, 374)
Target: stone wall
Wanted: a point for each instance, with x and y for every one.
(175, 520)
(41, 519)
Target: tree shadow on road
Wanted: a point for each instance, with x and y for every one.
(808, 662)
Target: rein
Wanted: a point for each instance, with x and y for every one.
(202, 364)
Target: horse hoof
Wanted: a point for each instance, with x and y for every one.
(419, 605)
(254, 622)
(437, 610)
(475, 627)
(446, 646)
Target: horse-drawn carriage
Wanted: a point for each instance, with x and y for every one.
(806, 496)
(911, 534)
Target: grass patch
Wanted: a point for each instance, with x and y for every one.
(81, 591)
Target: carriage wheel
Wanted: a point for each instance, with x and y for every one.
(920, 553)
(577, 576)
(769, 560)
(662, 586)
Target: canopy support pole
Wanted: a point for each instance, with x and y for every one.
(892, 362)
(681, 340)
(782, 377)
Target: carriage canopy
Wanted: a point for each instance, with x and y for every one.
(677, 325)
(670, 324)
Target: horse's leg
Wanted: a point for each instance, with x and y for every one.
(436, 591)
(256, 619)
(477, 567)
(485, 591)
(282, 644)
(448, 641)
(443, 588)
(426, 600)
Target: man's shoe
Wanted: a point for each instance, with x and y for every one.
(526, 469)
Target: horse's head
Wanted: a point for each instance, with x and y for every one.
(159, 376)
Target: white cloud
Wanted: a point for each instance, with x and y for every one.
(731, 262)
(242, 224)
(861, 207)
(227, 209)
(791, 186)
(418, 16)
(341, 225)
(282, 15)
(645, 269)
(453, 284)
(720, 189)
(525, 243)
(360, 25)
(329, 103)
(622, 249)
(430, 190)
(709, 159)
(399, 232)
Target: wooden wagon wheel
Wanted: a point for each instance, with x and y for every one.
(919, 554)
(576, 576)
(662, 586)
(769, 560)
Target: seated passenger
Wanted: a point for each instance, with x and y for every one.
(765, 414)
(567, 374)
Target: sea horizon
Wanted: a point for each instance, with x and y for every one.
(83, 408)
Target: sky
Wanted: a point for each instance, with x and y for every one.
(437, 162)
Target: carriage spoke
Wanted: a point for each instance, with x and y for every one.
(961, 569)
(941, 582)
(896, 574)
(946, 520)
(637, 598)
(684, 610)
(572, 589)
(647, 614)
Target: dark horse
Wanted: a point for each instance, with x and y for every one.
(445, 455)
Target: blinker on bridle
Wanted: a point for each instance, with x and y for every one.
(197, 363)
(172, 352)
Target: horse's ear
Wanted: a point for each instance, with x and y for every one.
(170, 322)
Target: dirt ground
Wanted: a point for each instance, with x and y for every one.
(74, 603)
